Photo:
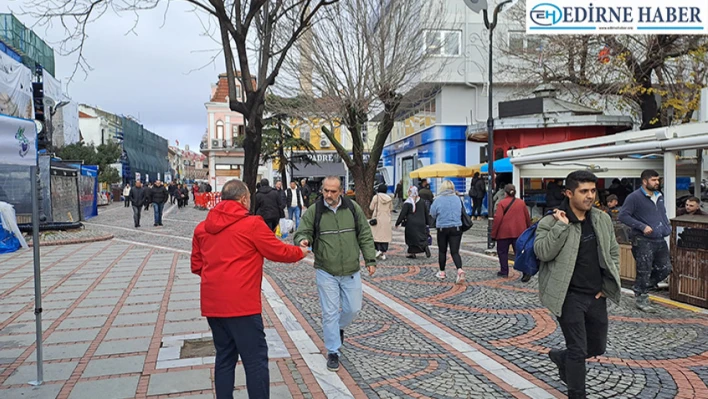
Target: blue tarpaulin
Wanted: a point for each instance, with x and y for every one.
(500, 166)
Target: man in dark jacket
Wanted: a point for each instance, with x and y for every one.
(269, 206)
(306, 191)
(645, 212)
(554, 194)
(281, 193)
(158, 196)
(172, 190)
(477, 193)
(425, 193)
(137, 198)
(398, 196)
(227, 254)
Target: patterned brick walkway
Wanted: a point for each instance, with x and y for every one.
(110, 306)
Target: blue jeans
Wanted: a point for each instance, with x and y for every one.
(158, 212)
(240, 336)
(294, 211)
(336, 292)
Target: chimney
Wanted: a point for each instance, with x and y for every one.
(545, 91)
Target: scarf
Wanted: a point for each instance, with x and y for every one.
(412, 196)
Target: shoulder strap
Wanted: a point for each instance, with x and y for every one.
(349, 204)
(508, 207)
(319, 209)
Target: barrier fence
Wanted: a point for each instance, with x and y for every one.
(206, 200)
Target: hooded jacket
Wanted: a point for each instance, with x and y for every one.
(227, 253)
(269, 206)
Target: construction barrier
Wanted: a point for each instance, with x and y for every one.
(206, 201)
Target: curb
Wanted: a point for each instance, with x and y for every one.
(75, 241)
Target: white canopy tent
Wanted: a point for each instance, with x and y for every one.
(609, 156)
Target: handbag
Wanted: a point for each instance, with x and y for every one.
(373, 221)
(466, 219)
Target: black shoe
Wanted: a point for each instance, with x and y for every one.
(427, 251)
(500, 274)
(341, 336)
(333, 362)
(556, 356)
(526, 278)
(159, 224)
(410, 256)
(154, 225)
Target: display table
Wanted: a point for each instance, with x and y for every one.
(689, 257)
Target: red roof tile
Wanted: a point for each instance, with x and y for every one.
(85, 115)
(222, 88)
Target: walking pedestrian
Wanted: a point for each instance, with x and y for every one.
(511, 219)
(306, 191)
(283, 196)
(381, 205)
(398, 196)
(137, 197)
(579, 269)
(269, 206)
(425, 193)
(415, 217)
(158, 197)
(447, 212)
(332, 221)
(477, 192)
(227, 254)
(172, 189)
(645, 212)
(296, 204)
(126, 195)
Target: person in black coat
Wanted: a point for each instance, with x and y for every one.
(137, 197)
(478, 191)
(158, 196)
(269, 205)
(554, 194)
(415, 216)
(306, 191)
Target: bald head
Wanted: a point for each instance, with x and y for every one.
(234, 190)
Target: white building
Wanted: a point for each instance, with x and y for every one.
(97, 126)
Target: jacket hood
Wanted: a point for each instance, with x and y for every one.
(265, 189)
(224, 215)
(447, 192)
(384, 198)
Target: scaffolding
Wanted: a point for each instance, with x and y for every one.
(23, 41)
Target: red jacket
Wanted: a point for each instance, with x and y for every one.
(227, 253)
(510, 223)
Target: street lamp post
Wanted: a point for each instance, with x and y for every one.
(476, 6)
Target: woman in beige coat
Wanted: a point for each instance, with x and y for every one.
(381, 205)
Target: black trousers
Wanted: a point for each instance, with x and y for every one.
(126, 202)
(653, 263)
(477, 206)
(584, 325)
(136, 215)
(244, 337)
(451, 236)
(381, 246)
(272, 223)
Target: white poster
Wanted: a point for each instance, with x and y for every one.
(15, 88)
(168, 178)
(147, 178)
(18, 141)
(158, 175)
(137, 176)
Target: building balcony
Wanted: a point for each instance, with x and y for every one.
(220, 145)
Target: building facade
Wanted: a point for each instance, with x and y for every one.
(186, 165)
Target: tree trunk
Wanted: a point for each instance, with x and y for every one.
(363, 188)
(649, 106)
(252, 149)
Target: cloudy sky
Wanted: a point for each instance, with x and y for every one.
(150, 74)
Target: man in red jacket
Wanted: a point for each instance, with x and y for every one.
(510, 220)
(227, 253)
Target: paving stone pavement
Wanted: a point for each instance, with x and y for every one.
(109, 306)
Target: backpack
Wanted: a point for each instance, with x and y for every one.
(319, 210)
(526, 261)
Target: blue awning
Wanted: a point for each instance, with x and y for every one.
(500, 166)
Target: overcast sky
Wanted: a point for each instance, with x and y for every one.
(145, 75)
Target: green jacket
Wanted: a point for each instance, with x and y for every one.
(557, 245)
(334, 252)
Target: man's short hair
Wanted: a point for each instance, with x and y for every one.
(264, 183)
(294, 181)
(332, 177)
(649, 173)
(694, 199)
(574, 179)
(612, 197)
(234, 190)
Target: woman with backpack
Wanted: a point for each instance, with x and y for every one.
(381, 205)
(447, 212)
(415, 217)
(510, 220)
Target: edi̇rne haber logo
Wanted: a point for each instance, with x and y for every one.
(617, 17)
(22, 140)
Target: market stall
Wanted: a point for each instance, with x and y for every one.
(689, 258)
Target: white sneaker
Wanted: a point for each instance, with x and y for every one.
(383, 256)
(460, 277)
(440, 275)
(378, 254)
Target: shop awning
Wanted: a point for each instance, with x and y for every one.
(500, 166)
(323, 169)
(442, 170)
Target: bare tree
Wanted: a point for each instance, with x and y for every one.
(359, 61)
(656, 77)
(261, 31)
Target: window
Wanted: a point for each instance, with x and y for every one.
(305, 132)
(443, 43)
(219, 130)
(520, 41)
(235, 131)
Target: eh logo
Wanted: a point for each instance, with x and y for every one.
(546, 14)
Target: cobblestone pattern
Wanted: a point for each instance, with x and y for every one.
(68, 237)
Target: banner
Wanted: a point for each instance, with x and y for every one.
(15, 88)
(17, 141)
(137, 176)
(610, 17)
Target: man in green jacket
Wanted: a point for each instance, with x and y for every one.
(337, 260)
(579, 269)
